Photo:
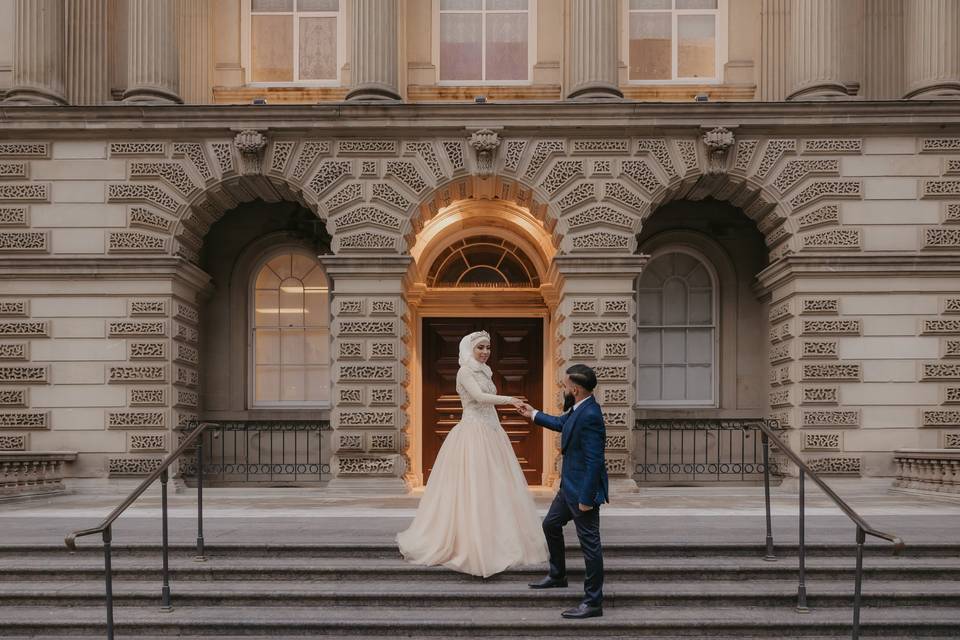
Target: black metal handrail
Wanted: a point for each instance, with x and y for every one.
(105, 528)
(768, 430)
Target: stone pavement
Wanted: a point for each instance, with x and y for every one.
(731, 514)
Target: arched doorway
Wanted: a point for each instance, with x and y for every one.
(481, 265)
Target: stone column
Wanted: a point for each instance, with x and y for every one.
(883, 50)
(932, 34)
(815, 50)
(374, 63)
(38, 66)
(87, 32)
(596, 319)
(593, 50)
(195, 43)
(152, 58)
(369, 372)
(774, 49)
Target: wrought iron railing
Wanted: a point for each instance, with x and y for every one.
(766, 433)
(271, 452)
(677, 451)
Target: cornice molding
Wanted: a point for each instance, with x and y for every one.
(825, 265)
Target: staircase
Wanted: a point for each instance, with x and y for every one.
(652, 591)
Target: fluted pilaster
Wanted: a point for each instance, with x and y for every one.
(815, 50)
(375, 60)
(38, 67)
(87, 80)
(593, 50)
(932, 33)
(775, 43)
(195, 42)
(883, 50)
(152, 59)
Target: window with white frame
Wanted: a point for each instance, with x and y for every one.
(676, 333)
(485, 41)
(296, 41)
(291, 331)
(675, 40)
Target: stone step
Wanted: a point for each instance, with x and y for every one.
(541, 621)
(781, 593)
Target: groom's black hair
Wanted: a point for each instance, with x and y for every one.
(583, 376)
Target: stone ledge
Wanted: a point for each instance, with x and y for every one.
(30, 473)
(928, 471)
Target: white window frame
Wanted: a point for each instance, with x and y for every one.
(531, 12)
(246, 32)
(714, 402)
(253, 403)
(721, 55)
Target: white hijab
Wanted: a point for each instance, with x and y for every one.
(467, 358)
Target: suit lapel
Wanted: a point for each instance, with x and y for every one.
(570, 424)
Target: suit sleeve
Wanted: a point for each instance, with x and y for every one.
(593, 435)
(472, 387)
(550, 422)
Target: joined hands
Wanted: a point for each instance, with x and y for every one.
(523, 408)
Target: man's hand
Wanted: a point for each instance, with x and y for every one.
(525, 410)
(584, 507)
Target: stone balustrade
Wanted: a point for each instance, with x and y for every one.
(26, 473)
(928, 470)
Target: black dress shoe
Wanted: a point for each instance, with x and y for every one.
(583, 610)
(549, 583)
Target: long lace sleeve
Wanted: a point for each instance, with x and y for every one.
(472, 387)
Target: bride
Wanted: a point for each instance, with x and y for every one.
(476, 515)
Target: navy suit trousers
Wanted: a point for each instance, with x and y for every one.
(588, 531)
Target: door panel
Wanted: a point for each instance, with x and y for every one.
(517, 363)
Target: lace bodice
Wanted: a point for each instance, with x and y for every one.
(479, 396)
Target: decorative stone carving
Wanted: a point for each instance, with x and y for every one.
(143, 217)
(951, 441)
(170, 172)
(367, 418)
(14, 398)
(193, 151)
(951, 213)
(821, 395)
(780, 398)
(140, 192)
(251, 144)
(23, 374)
(328, 174)
(941, 327)
(13, 442)
(365, 466)
(933, 471)
(133, 466)
(657, 147)
(186, 376)
(831, 418)
(833, 145)
(542, 151)
(821, 441)
(641, 173)
(781, 353)
(148, 397)
(368, 328)
(581, 193)
(839, 371)
(135, 242)
(25, 420)
(820, 305)
(598, 327)
(614, 395)
(382, 350)
(940, 371)
(383, 395)
(775, 149)
(137, 328)
(951, 305)
(14, 217)
(147, 350)
(718, 142)
(940, 238)
(365, 373)
(350, 395)
(485, 142)
(610, 373)
(601, 240)
(831, 327)
(935, 189)
(795, 171)
(453, 149)
(350, 306)
(560, 175)
(584, 350)
(24, 241)
(951, 395)
(745, 151)
(818, 349)
(368, 240)
(138, 374)
(148, 442)
(388, 195)
(837, 465)
(138, 148)
(136, 419)
(308, 153)
(513, 154)
(350, 350)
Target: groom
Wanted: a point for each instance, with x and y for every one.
(583, 487)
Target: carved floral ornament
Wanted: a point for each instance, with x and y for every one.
(718, 141)
(485, 143)
(251, 144)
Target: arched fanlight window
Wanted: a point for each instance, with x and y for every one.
(676, 339)
(483, 261)
(291, 332)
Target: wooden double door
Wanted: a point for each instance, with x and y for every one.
(517, 363)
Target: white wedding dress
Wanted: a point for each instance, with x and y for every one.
(477, 515)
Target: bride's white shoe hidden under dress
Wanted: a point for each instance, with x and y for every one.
(476, 515)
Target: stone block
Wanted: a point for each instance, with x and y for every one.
(889, 371)
(879, 440)
(862, 305)
(78, 350)
(79, 307)
(72, 170)
(890, 189)
(888, 347)
(887, 417)
(890, 212)
(81, 441)
(67, 419)
(889, 326)
(78, 328)
(78, 395)
(78, 215)
(885, 166)
(77, 373)
(79, 191)
(889, 238)
(905, 145)
(73, 149)
(78, 241)
(890, 393)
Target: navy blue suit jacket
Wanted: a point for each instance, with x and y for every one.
(582, 442)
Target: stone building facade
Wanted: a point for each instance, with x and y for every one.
(785, 245)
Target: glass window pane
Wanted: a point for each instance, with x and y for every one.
(648, 346)
(271, 5)
(272, 48)
(318, 5)
(317, 347)
(266, 309)
(267, 279)
(699, 384)
(267, 347)
(507, 46)
(648, 308)
(674, 302)
(292, 384)
(699, 276)
(696, 54)
(648, 381)
(317, 311)
(651, 57)
(701, 303)
(318, 48)
(267, 384)
(674, 383)
(460, 46)
(696, 4)
(460, 5)
(506, 4)
(282, 265)
(650, 4)
(291, 303)
(674, 347)
(291, 346)
(318, 384)
(699, 346)
(302, 266)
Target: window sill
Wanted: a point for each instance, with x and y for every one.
(300, 94)
(466, 93)
(677, 92)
